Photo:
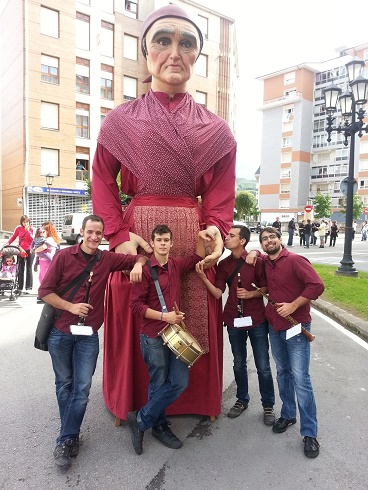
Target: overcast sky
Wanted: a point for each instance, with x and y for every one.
(276, 34)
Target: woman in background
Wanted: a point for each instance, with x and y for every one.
(25, 233)
(51, 244)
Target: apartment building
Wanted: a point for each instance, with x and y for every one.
(297, 162)
(65, 65)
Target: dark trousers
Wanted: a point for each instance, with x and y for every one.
(25, 265)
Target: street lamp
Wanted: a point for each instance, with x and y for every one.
(351, 104)
(49, 181)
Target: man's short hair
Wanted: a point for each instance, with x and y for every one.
(269, 229)
(160, 230)
(92, 217)
(244, 232)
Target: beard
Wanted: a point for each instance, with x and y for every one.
(273, 249)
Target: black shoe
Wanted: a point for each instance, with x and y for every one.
(62, 453)
(268, 415)
(135, 432)
(311, 447)
(237, 409)
(165, 435)
(74, 451)
(35, 268)
(282, 424)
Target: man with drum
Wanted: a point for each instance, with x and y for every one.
(169, 375)
(244, 317)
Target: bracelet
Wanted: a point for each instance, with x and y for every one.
(162, 315)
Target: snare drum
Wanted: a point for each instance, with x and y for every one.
(181, 343)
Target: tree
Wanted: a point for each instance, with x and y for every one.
(358, 206)
(88, 189)
(245, 204)
(322, 206)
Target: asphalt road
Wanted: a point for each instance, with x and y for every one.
(237, 453)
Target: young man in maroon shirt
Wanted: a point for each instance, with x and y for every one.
(169, 376)
(292, 284)
(74, 357)
(253, 323)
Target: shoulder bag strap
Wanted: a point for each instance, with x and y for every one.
(78, 280)
(154, 276)
(239, 265)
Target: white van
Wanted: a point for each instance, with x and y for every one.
(71, 228)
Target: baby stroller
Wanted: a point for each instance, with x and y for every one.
(6, 283)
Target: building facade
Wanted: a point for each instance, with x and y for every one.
(65, 65)
(297, 162)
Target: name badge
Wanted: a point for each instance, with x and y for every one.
(81, 330)
(245, 321)
(291, 332)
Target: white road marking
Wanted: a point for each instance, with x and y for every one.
(349, 334)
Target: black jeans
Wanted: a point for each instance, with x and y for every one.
(25, 264)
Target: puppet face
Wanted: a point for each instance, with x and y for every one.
(172, 49)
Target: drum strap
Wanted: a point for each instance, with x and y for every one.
(154, 276)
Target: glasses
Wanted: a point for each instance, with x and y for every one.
(269, 237)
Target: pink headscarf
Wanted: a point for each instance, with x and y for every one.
(167, 11)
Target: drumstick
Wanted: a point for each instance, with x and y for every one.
(177, 311)
(309, 336)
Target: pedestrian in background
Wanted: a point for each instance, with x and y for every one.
(24, 233)
(301, 232)
(322, 233)
(291, 230)
(334, 230)
(354, 229)
(307, 233)
(277, 224)
(51, 244)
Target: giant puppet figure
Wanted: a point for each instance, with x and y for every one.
(169, 150)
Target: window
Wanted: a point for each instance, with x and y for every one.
(290, 93)
(82, 120)
(49, 161)
(203, 25)
(319, 125)
(364, 146)
(284, 203)
(289, 78)
(82, 76)
(49, 115)
(363, 184)
(363, 165)
(286, 173)
(81, 163)
(201, 98)
(49, 69)
(107, 39)
(130, 88)
(49, 22)
(286, 142)
(201, 65)
(287, 113)
(82, 31)
(104, 111)
(130, 47)
(131, 8)
(286, 157)
(285, 188)
(106, 82)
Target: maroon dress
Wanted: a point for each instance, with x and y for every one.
(168, 152)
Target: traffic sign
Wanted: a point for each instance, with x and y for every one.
(308, 209)
(365, 211)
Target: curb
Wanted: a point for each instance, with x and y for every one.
(351, 322)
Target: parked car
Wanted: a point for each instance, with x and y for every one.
(251, 226)
(71, 228)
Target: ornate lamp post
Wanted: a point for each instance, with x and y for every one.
(351, 104)
(49, 181)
